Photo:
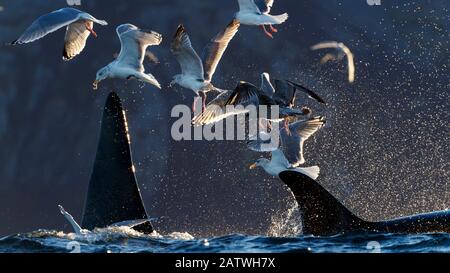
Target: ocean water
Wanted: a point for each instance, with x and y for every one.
(125, 240)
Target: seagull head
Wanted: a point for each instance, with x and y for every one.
(177, 79)
(101, 75)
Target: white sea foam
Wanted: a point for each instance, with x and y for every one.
(286, 223)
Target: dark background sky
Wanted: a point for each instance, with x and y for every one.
(384, 152)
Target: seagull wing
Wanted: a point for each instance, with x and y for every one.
(284, 93)
(75, 39)
(215, 49)
(248, 6)
(266, 85)
(262, 143)
(243, 95)
(323, 45)
(216, 110)
(134, 43)
(350, 63)
(301, 131)
(48, 23)
(309, 92)
(190, 62)
(279, 159)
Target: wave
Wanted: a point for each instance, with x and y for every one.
(126, 240)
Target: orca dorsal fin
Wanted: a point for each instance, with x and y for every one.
(113, 194)
(322, 213)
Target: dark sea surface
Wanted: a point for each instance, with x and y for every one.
(125, 240)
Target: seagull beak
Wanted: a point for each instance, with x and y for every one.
(95, 85)
(253, 166)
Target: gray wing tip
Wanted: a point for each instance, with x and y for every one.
(65, 55)
(15, 42)
(234, 23)
(102, 22)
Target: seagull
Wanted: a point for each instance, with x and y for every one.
(195, 74)
(129, 63)
(80, 231)
(291, 143)
(279, 164)
(246, 94)
(79, 25)
(76, 227)
(256, 13)
(342, 51)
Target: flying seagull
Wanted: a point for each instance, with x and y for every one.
(279, 163)
(291, 143)
(342, 51)
(79, 25)
(284, 93)
(195, 73)
(245, 94)
(257, 13)
(129, 63)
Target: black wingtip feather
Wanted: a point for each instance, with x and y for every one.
(310, 92)
(65, 55)
(15, 42)
(180, 30)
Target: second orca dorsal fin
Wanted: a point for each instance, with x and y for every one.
(322, 213)
(113, 194)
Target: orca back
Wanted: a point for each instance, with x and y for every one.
(322, 213)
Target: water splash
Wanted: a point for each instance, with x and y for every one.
(287, 223)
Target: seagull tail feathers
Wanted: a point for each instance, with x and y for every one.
(279, 19)
(312, 172)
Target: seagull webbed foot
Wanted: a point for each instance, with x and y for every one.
(274, 30)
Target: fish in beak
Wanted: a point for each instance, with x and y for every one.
(95, 85)
(253, 166)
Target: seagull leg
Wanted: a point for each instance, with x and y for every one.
(274, 30)
(89, 28)
(261, 125)
(265, 125)
(203, 95)
(263, 27)
(286, 127)
(194, 108)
